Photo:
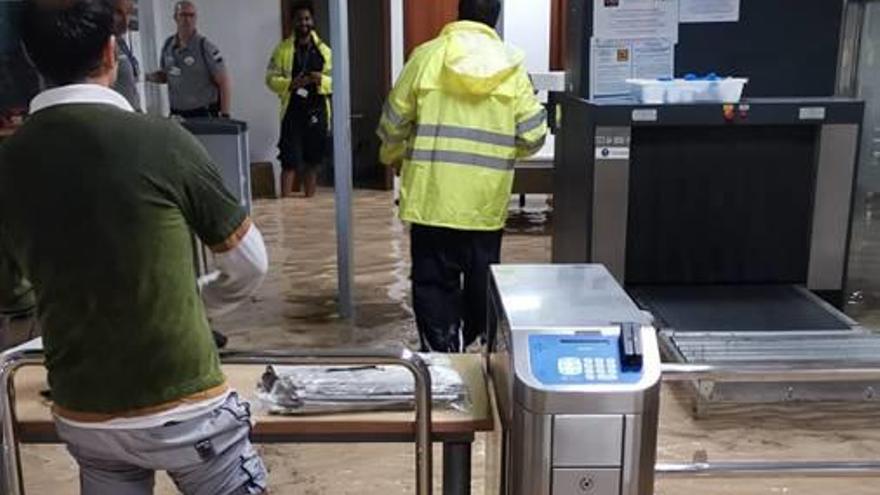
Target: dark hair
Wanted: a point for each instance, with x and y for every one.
(302, 5)
(485, 11)
(66, 38)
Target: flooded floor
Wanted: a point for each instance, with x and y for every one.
(296, 309)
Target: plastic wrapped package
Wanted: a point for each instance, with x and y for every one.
(296, 390)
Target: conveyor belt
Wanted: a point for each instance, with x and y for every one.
(788, 347)
(758, 325)
(737, 309)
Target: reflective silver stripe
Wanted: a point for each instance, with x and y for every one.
(392, 115)
(388, 138)
(460, 158)
(532, 147)
(532, 123)
(448, 131)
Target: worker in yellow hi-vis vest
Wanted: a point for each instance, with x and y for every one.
(461, 114)
(299, 73)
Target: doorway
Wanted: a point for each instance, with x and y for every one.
(423, 20)
(369, 39)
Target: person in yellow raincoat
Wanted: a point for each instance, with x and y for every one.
(299, 73)
(460, 115)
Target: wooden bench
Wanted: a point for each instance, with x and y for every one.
(454, 429)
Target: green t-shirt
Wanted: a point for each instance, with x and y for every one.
(96, 207)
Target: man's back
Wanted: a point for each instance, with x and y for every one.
(95, 204)
(460, 115)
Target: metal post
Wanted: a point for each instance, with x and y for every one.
(850, 48)
(773, 372)
(457, 468)
(13, 483)
(770, 469)
(342, 155)
(11, 459)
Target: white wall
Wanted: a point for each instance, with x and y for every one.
(527, 26)
(245, 32)
(397, 39)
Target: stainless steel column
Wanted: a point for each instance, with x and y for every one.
(342, 155)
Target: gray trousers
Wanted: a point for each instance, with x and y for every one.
(207, 455)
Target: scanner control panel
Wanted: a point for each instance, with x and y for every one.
(587, 358)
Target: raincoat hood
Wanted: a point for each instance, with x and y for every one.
(476, 60)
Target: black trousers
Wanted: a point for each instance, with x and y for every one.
(450, 281)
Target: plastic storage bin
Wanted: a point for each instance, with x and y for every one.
(677, 91)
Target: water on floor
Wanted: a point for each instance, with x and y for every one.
(296, 308)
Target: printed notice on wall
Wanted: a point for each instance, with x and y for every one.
(615, 61)
(636, 19)
(612, 63)
(653, 59)
(693, 11)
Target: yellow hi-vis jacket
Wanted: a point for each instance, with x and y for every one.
(279, 74)
(461, 113)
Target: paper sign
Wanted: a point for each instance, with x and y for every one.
(615, 61)
(653, 59)
(612, 62)
(635, 19)
(693, 11)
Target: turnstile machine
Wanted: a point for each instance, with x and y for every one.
(576, 371)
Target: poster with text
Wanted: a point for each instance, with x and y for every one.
(694, 11)
(611, 66)
(636, 19)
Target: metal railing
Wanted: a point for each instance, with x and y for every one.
(12, 482)
(815, 371)
(779, 372)
(769, 469)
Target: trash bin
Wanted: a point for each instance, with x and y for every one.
(227, 142)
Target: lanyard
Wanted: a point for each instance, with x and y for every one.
(130, 54)
(305, 62)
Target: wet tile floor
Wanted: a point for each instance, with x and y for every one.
(296, 308)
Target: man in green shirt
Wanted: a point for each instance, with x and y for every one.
(97, 204)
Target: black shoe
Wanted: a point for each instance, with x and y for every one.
(220, 340)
